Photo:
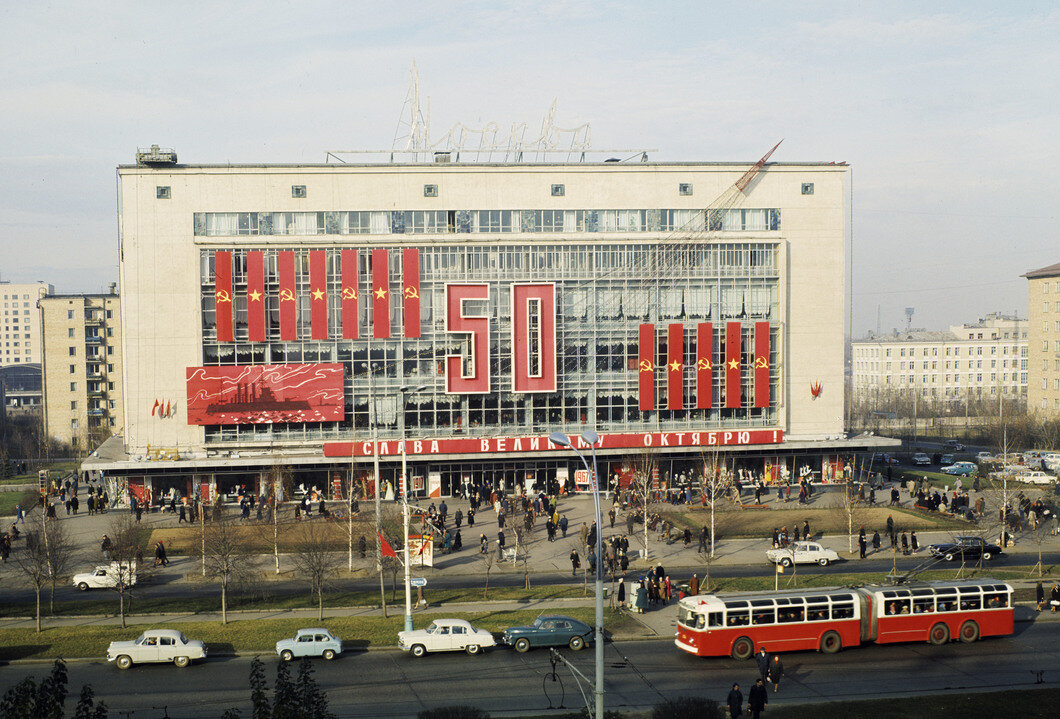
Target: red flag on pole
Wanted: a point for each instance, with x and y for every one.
(761, 366)
(675, 368)
(348, 259)
(733, 351)
(380, 294)
(410, 275)
(222, 290)
(646, 367)
(388, 551)
(154, 408)
(288, 303)
(704, 365)
(318, 294)
(256, 295)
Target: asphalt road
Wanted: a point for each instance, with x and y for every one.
(389, 683)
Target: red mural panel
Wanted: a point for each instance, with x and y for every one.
(533, 338)
(732, 364)
(350, 280)
(256, 295)
(761, 366)
(477, 379)
(263, 394)
(380, 294)
(646, 367)
(288, 303)
(675, 368)
(318, 294)
(410, 275)
(222, 292)
(704, 365)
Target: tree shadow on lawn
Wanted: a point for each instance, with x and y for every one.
(22, 651)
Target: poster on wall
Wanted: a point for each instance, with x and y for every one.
(421, 550)
(263, 394)
(582, 480)
(434, 484)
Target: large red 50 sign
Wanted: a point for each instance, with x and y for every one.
(533, 317)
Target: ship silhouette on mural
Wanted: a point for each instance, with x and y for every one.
(262, 394)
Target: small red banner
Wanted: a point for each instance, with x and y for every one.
(733, 347)
(288, 298)
(380, 294)
(222, 292)
(256, 295)
(263, 394)
(704, 365)
(318, 294)
(646, 367)
(350, 317)
(410, 274)
(675, 369)
(761, 364)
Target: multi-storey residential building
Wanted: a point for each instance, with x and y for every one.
(20, 388)
(82, 367)
(20, 332)
(313, 316)
(1043, 384)
(969, 362)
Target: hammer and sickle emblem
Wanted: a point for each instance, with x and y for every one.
(348, 293)
(703, 363)
(411, 293)
(760, 363)
(645, 366)
(286, 296)
(222, 296)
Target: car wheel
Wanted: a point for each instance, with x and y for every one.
(831, 643)
(743, 649)
(181, 661)
(823, 562)
(576, 643)
(418, 650)
(472, 649)
(522, 644)
(328, 654)
(123, 662)
(785, 562)
(83, 586)
(969, 632)
(939, 634)
(948, 557)
(987, 555)
(286, 655)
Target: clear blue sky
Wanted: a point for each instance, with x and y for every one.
(948, 112)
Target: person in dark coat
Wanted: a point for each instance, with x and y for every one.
(905, 543)
(1039, 596)
(757, 699)
(575, 562)
(876, 541)
(762, 660)
(622, 592)
(735, 702)
(913, 541)
(776, 671)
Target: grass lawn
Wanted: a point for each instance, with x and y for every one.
(1024, 703)
(8, 500)
(32, 477)
(258, 536)
(261, 635)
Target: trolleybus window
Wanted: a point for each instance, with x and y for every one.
(737, 618)
(896, 606)
(923, 605)
(714, 619)
(995, 600)
(843, 611)
(971, 602)
(763, 616)
(947, 604)
(790, 614)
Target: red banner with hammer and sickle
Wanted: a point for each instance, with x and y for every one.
(288, 300)
(761, 367)
(675, 368)
(646, 367)
(318, 294)
(350, 278)
(380, 294)
(222, 292)
(704, 365)
(256, 295)
(733, 350)
(410, 277)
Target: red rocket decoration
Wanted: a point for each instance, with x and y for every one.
(815, 389)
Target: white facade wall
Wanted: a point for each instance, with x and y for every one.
(20, 326)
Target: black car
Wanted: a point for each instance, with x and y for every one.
(549, 631)
(966, 548)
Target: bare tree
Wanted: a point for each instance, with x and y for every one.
(314, 559)
(230, 558)
(32, 561)
(488, 558)
(851, 509)
(124, 539)
(523, 539)
(60, 551)
(643, 476)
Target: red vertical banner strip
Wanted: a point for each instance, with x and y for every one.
(318, 294)
(410, 272)
(288, 302)
(222, 292)
(256, 295)
(350, 280)
(733, 349)
(646, 367)
(704, 365)
(380, 294)
(761, 366)
(675, 368)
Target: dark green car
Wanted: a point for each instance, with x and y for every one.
(549, 631)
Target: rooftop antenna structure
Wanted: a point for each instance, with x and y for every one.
(414, 127)
(909, 319)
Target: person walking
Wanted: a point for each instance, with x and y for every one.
(757, 699)
(876, 541)
(688, 536)
(482, 543)
(693, 586)
(735, 702)
(563, 525)
(704, 538)
(458, 517)
(575, 562)
(1039, 596)
(160, 554)
(905, 543)
(913, 541)
(105, 546)
(762, 660)
(776, 671)
(862, 545)
(183, 513)
(611, 516)
(584, 532)
(20, 515)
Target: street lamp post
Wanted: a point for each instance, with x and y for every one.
(405, 390)
(592, 439)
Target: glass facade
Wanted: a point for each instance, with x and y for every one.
(604, 291)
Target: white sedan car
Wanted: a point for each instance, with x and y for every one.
(446, 635)
(1035, 476)
(802, 553)
(156, 645)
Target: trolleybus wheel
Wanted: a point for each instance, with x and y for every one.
(743, 648)
(969, 632)
(940, 634)
(831, 643)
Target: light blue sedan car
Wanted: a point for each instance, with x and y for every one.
(309, 643)
(961, 468)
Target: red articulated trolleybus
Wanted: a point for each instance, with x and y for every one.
(830, 619)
